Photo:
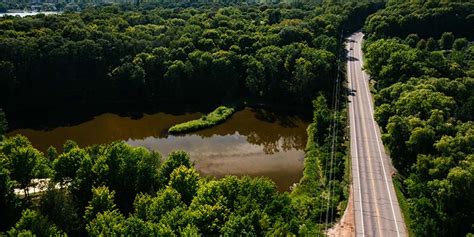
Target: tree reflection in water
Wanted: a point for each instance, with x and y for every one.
(272, 131)
(253, 142)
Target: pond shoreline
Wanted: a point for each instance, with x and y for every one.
(253, 141)
(47, 117)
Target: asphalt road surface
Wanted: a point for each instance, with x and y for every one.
(376, 209)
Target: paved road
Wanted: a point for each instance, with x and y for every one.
(376, 209)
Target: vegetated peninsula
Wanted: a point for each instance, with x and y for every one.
(219, 115)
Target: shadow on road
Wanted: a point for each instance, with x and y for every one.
(352, 58)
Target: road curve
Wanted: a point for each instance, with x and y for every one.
(376, 209)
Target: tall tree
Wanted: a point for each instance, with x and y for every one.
(26, 163)
(9, 204)
(102, 200)
(3, 123)
(186, 181)
(175, 159)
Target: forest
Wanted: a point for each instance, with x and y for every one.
(77, 5)
(119, 54)
(423, 78)
(165, 54)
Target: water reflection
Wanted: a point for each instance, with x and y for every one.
(253, 142)
(271, 131)
(105, 128)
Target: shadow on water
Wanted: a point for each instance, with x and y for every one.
(47, 119)
(283, 119)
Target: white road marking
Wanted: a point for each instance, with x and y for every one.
(356, 153)
(378, 145)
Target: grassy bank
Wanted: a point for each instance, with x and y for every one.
(323, 191)
(217, 116)
(402, 201)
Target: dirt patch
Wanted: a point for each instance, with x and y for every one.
(346, 226)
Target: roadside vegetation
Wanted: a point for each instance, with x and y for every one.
(425, 105)
(215, 117)
(282, 53)
(322, 192)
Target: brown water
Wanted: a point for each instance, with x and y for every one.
(252, 142)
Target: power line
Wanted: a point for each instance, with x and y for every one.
(334, 126)
(326, 182)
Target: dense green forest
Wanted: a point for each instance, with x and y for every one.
(276, 53)
(421, 59)
(77, 5)
(117, 54)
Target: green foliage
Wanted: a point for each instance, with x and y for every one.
(189, 231)
(120, 53)
(67, 164)
(460, 44)
(424, 108)
(186, 182)
(423, 102)
(3, 7)
(294, 70)
(311, 192)
(408, 17)
(175, 159)
(431, 44)
(33, 223)
(51, 153)
(126, 170)
(23, 161)
(217, 116)
(107, 223)
(166, 200)
(141, 205)
(321, 119)
(102, 200)
(69, 145)
(129, 76)
(447, 40)
(3, 123)
(112, 223)
(403, 61)
(59, 207)
(8, 201)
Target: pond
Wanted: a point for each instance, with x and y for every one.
(254, 142)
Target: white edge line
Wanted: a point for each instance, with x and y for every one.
(378, 146)
(356, 154)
